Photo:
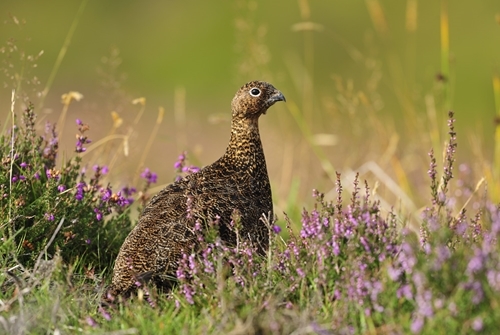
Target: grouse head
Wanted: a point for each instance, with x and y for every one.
(253, 99)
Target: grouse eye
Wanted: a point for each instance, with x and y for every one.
(254, 92)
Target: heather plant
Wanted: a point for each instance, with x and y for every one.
(334, 262)
(450, 278)
(348, 264)
(351, 268)
(37, 194)
(356, 270)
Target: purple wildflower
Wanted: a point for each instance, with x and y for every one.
(188, 293)
(49, 216)
(105, 313)
(98, 214)
(106, 194)
(61, 188)
(477, 324)
(80, 191)
(125, 196)
(150, 177)
(79, 144)
(417, 324)
(23, 165)
(476, 262)
(91, 322)
(276, 229)
(190, 169)
(179, 164)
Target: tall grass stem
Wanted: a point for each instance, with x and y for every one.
(62, 52)
(12, 105)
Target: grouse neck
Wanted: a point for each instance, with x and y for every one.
(245, 145)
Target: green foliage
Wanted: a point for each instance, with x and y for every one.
(37, 195)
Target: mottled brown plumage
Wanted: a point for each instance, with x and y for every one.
(238, 181)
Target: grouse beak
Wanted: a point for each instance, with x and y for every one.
(277, 96)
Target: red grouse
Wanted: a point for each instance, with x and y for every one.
(237, 181)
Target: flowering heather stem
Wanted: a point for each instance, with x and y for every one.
(355, 192)
(339, 193)
(432, 174)
(449, 158)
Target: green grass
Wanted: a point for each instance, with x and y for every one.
(407, 245)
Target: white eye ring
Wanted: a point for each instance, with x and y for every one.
(254, 92)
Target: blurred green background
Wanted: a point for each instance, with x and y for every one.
(366, 77)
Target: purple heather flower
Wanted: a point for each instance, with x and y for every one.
(476, 262)
(180, 161)
(311, 225)
(405, 291)
(15, 178)
(90, 321)
(88, 241)
(23, 165)
(128, 191)
(150, 177)
(192, 264)
(61, 188)
(80, 142)
(477, 324)
(394, 272)
(106, 194)
(104, 169)
(105, 314)
(417, 324)
(335, 246)
(98, 214)
(80, 191)
(79, 122)
(126, 196)
(365, 243)
(493, 279)
(188, 293)
(22, 178)
(49, 216)
(276, 229)
(190, 169)
(36, 175)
